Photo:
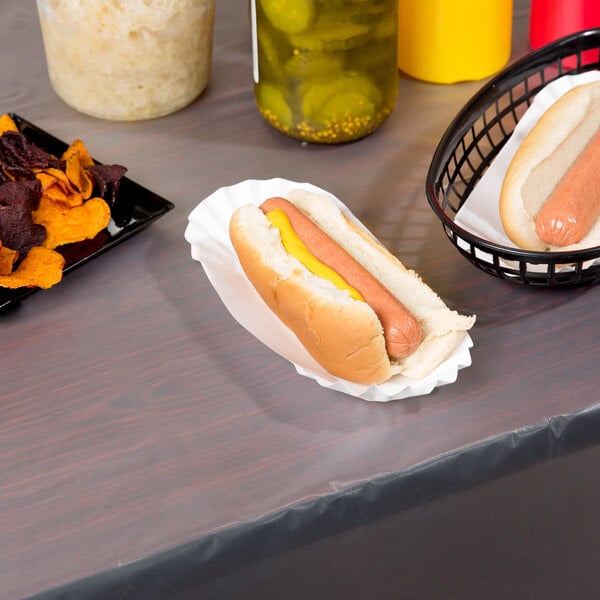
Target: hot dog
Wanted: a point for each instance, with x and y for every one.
(345, 335)
(550, 196)
(401, 330)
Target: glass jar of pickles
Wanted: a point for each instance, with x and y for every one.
(325, 71)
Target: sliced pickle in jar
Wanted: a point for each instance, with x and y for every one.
(309, 65)
(316, 94)
(330, 36)
(369, 15)
(366, 15)
(384, 29)
(347, 105)
(347, 108)
(380, 61)
(348, 4)
(289, 16)
(344, 117)
(273, 106)
(270, 52)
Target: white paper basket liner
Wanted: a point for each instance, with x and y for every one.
(208, 234)
(480, 213)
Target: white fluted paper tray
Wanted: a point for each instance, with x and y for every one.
(208, 234)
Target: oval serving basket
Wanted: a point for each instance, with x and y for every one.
(474, 139)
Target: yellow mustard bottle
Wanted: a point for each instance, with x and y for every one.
(325, 71)
(447, 41)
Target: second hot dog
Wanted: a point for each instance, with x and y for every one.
(550, 197)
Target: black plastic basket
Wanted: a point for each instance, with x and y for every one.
(473, 140)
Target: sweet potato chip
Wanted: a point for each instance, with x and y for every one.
(56, 185)
(65, 225)
(7, 124)
(8, 258)
(78, 160)
(41, 268)
(78, 147)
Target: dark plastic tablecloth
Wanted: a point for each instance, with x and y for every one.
(516, 516)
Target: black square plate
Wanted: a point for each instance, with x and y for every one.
(134, 208)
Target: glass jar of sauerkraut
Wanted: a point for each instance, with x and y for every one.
(325, 71)
(127, 59)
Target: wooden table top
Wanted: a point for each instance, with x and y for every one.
(136, 414)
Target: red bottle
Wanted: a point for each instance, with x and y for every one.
(553, 19)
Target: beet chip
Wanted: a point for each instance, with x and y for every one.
(17, 201)
(18, 156)
(108, 179)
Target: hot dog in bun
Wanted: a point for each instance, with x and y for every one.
(352, 304)
(550, 197)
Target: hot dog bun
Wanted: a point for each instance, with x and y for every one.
(342, 334)
(548, 151)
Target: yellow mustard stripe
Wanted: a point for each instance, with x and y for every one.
(296, 248)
